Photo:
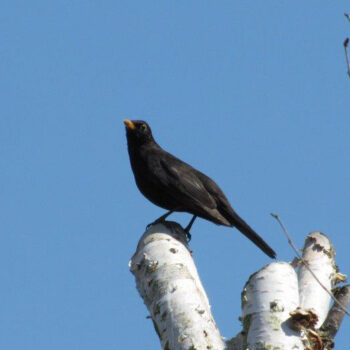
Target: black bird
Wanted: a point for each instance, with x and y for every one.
(176, 186)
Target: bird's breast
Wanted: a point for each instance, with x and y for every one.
(148, 174)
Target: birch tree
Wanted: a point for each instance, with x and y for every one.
(283, 305)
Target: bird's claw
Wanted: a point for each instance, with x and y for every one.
(188, 235)
(158, 221)
(151, 224)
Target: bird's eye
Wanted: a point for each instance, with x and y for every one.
(143, 127)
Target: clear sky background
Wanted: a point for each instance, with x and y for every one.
(253, 93)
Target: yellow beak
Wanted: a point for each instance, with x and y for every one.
(129, 124)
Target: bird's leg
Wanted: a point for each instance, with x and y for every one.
(188, 227)
(160, 219)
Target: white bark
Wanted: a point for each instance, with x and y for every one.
(280, 304)
(169, 284)
(319, 254)
(268, 297)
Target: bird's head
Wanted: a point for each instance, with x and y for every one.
(138, 131)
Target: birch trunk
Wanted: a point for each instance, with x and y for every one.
(168, 282)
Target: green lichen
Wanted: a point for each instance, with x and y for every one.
(264, 346)
(275, 322)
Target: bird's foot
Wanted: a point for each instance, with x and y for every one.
(160, 219)
(153, 223)
(188, 228)
(188, 235)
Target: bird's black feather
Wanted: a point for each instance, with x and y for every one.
(176, 186)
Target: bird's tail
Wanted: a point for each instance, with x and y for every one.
(243, 227)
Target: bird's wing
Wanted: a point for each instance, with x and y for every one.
(231, 216)
(212, 187)
(181, 181)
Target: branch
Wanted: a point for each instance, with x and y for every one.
(169, 284)
(335, 316)
(317, 260)
(341, 279)
(268, 298)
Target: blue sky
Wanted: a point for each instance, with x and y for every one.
(255, 94)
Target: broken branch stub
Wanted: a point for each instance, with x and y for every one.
(168, 282)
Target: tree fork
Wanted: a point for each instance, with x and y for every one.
(283, 306)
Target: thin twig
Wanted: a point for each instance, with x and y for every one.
(306, 264)
(345, 44)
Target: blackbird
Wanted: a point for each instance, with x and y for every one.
(174, 185)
